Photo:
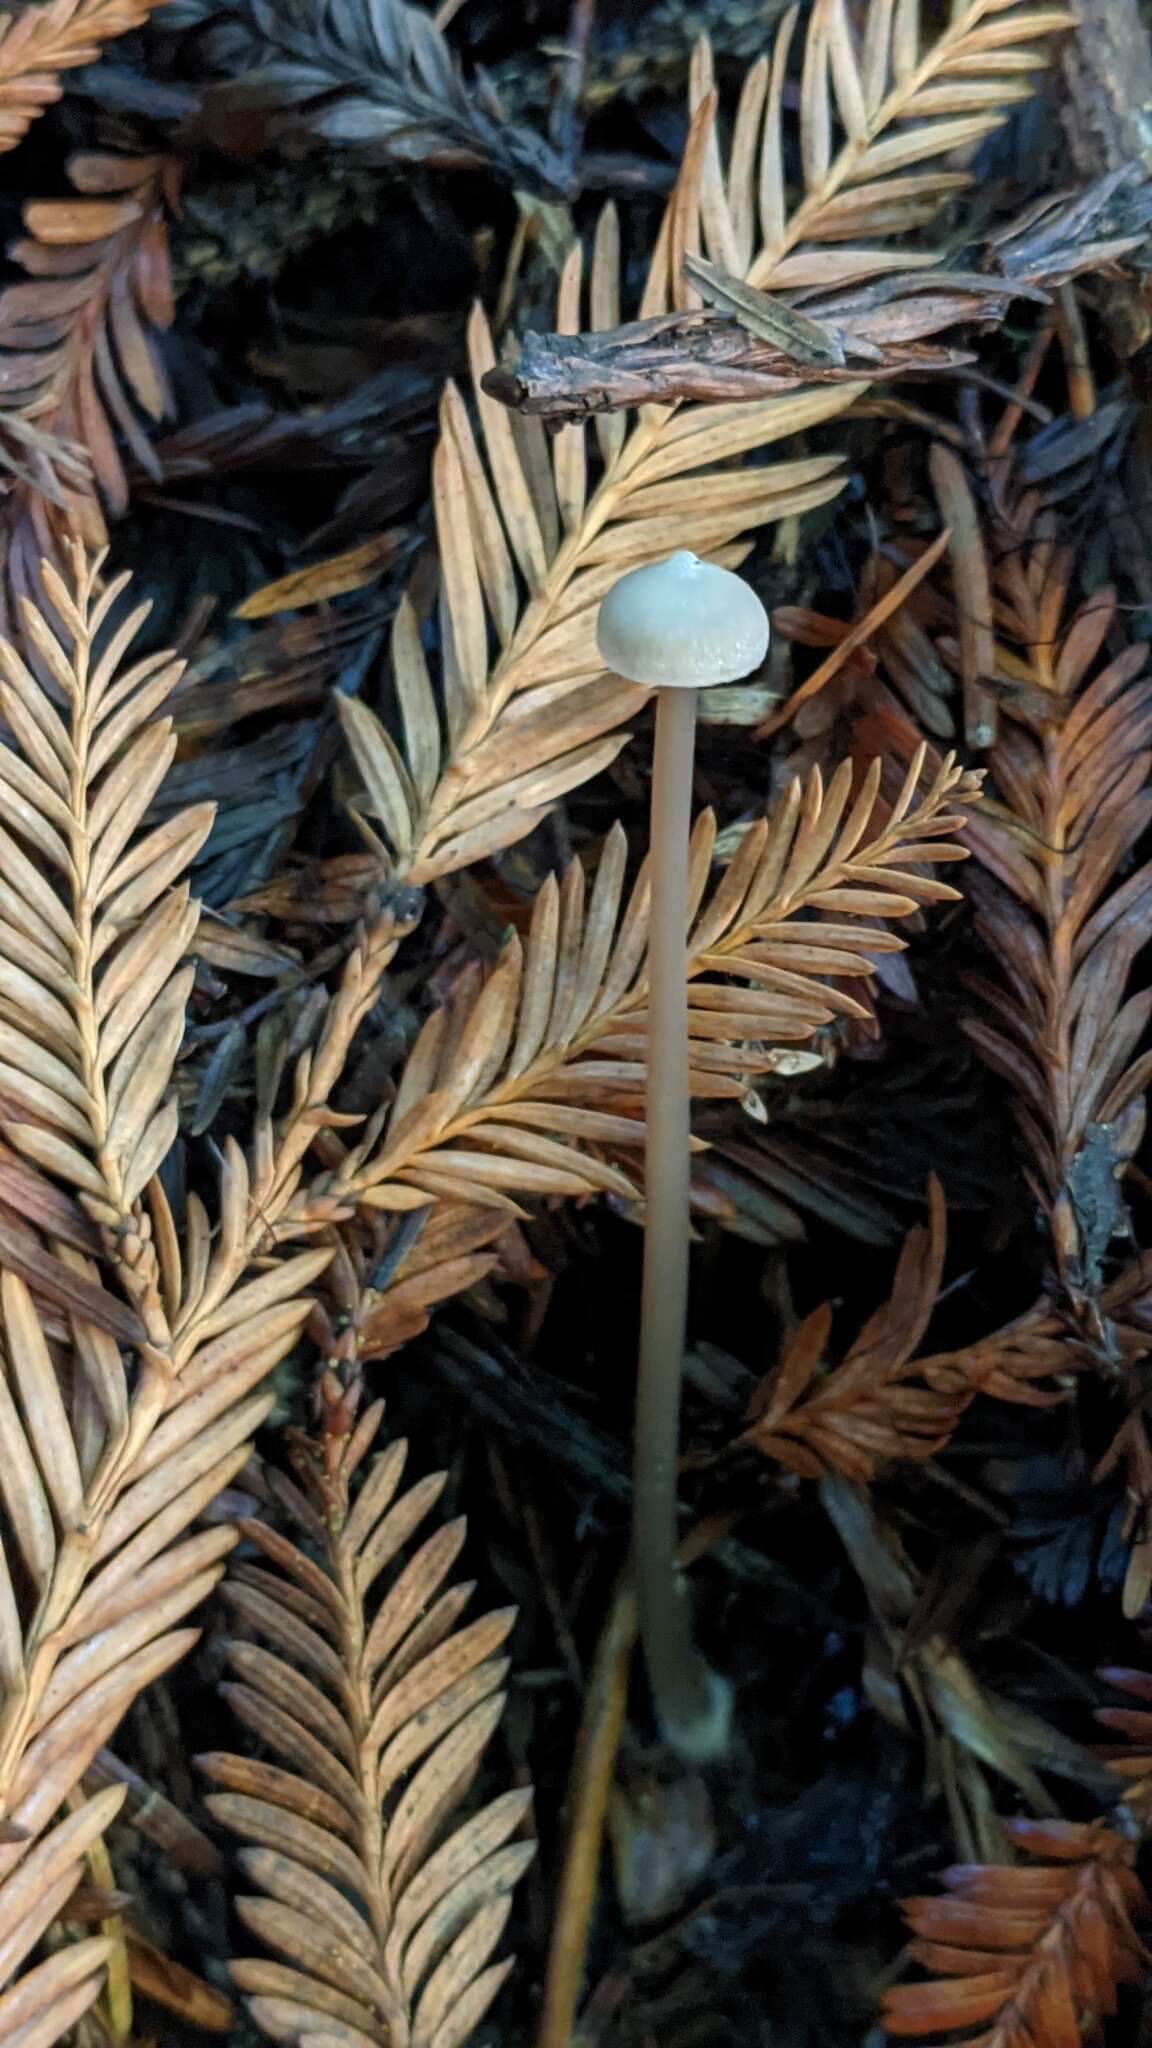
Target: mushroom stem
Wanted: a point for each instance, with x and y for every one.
(679, 625)
(691, 1701)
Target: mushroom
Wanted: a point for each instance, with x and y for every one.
(680, 625)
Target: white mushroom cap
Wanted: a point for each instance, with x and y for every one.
(682, 624)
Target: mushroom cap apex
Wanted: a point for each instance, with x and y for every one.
(682, 624)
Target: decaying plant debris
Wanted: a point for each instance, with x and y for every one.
(348, 355)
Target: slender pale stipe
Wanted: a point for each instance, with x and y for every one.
(680, 625)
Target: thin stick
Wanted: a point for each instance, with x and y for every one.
(973, 592)
(689, 1699)
(589, 1788)
(1001, 438)
(588, 1791)
(857, 635)
(696, 355)
(1077, 355)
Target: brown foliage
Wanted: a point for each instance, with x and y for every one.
(384, 1281)
(883, 1401)
(380, 1707)
(1030, 1952)
(37, 42)
(545, 715)
(529, 542)
(44, 2002)
(377, 75)
(550, 1048)
(864, 1410)
(77, 348)
(107, 1462)
(1068, 799)
(77, 360)
(105, 1468)
(137, 1341)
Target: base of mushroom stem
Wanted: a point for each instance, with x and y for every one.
(701, 1734)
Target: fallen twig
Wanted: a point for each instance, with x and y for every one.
(702, 355)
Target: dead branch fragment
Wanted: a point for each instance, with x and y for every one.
(701, 356)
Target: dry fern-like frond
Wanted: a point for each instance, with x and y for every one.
(883, 1402)
(869, 113)
(509, 1087)
(92, 931)
(104, 1465)
(30, 455)
(103, 1470)
(107, 1455)
(875, 1405)
(1030, 1952)
(44, 2003)
(381, 1287)
(1134, 1756)
(1131, 1759)
(78, 355)
(380, 1708)
(37, 42)
(529, 544)
(1039, 1345)
(377, 75)
(546, 715)
(1069, 798)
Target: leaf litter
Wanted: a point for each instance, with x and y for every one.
(348, 355)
